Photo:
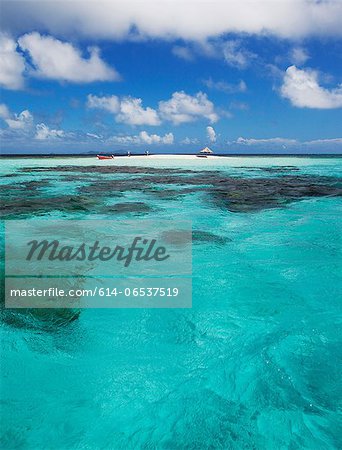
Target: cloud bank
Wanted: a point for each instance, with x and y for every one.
(195, 20)
(22, 131)
(127, 110)
(287, 144)
(180, 108)
(268, 141)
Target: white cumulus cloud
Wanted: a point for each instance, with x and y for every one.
(133, 113)
(44, 132)
(109, 103)
(144, 138)
(156, 139)
(127, 110)
(182, 108)
(211, 134)
(302, 88)
(12, 64)
(57, 60)
(21, 121)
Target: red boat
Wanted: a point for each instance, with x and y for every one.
(105, 156)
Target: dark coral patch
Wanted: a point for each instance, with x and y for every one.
(49, 320)
(199, 236)
(41, 205)
(10, 175)
(23, 188)
(254, 194)
(279, 169)
(128, 207)
(236, 194)
(112, 170)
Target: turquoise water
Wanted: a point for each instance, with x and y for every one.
(255, 364)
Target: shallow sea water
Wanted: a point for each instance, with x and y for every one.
(255, 364)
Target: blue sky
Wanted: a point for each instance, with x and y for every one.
(246, 77)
